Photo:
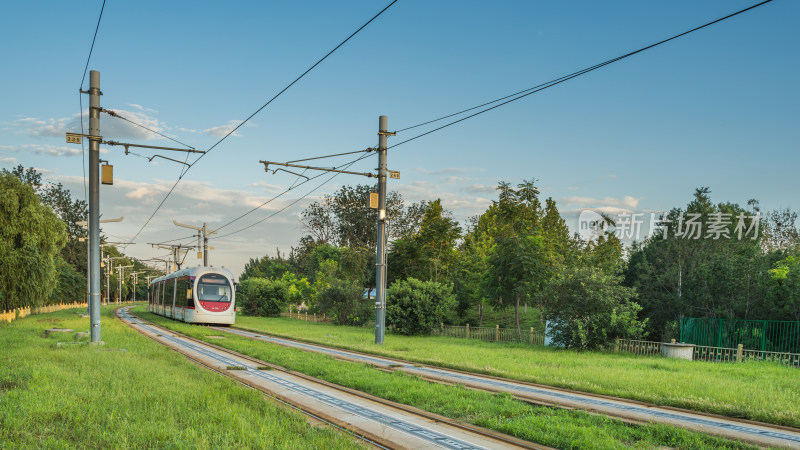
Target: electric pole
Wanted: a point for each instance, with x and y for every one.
(380, 267)
(176, 252)
(202, 233)
(135, 284)
(377, 202)
(94, 204)
(120, 269)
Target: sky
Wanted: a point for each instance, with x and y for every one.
(718, 107)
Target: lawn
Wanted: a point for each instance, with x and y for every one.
(130, 393)
(547, 426)
(767, 392)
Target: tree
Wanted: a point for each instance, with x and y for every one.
(416, 307)
(786, 275)
(689, 272)
(31, 236)
(517, 270)
(68, 210)
(588, 308)
(265, 267)
(518, 262)
(345, 219)
(428, 253)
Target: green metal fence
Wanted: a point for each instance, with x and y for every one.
(762, 335)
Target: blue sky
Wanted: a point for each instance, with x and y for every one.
(716, 108)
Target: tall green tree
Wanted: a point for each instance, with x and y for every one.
(518, 262)
(31, 236)
(429, 252)
(710, 263)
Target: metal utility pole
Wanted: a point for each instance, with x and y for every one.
(85, 224)
(119, 291)
(135, 284)
(378, 203)
(94, 204)
(176, 253)
(380, 267)
(202, 233)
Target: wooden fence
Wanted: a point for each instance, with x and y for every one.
(8, 316)
(492, 334)
(304, 315)
(709, 353)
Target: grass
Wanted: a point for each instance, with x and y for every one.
(767, 392)
(548, 426)
(130, 393)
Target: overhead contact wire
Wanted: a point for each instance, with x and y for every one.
(183, 173)
(524, 93)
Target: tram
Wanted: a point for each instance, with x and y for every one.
(195, 295)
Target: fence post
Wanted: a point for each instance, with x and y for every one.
(441, 327)
(467, 331)
(531, 336)
(616, 345)
(315, 317)
(497, 333)
(306, 316)
(739, 353)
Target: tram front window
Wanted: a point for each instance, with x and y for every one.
(213, 288)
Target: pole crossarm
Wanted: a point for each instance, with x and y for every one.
(324, 169)
(126, 145)
(150, 159)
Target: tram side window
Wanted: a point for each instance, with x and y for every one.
(183, 285)
(171, 291)
(161, 289)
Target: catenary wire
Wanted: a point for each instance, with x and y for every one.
(186, 169)
(292, 203)
(80, 99)
(113, 113)
(524, 93)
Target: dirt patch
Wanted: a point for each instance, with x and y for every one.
(7, 385)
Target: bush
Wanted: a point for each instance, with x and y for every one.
(416, 307)
(263, 296)
(344, 301)
(587, 309)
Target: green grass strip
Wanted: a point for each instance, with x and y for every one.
(130, 393)
(762, 391)
(548, 426)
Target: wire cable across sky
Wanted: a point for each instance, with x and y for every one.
(186, 169)
(540, 87)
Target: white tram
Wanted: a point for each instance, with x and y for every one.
(195, 295)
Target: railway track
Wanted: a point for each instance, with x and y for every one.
(632, 411)
(379, 422)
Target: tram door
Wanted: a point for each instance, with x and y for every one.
(180, 298)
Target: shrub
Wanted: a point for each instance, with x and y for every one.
(263, 296)
(416, 307)
(344, 301)
(587, 309)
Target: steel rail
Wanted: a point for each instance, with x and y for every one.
(248, 385)
(599, 398)
(388, 403)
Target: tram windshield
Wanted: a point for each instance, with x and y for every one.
(213, 287)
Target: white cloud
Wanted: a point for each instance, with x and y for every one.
(479, 189)
(112, 128)
(626, 201)
(49, 150)
(222, 130)
(449, 170)
(8, 159)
